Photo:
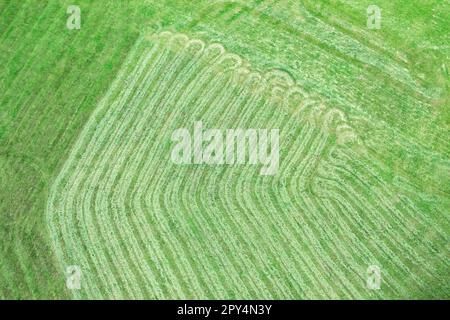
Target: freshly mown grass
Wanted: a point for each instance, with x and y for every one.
(309, 232)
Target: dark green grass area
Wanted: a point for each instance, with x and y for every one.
(52, 78)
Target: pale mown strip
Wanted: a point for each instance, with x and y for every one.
(142, 227)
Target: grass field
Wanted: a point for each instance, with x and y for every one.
(86, 118)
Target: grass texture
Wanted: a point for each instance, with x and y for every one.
(86, 118)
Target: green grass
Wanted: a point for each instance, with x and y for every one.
(217, 232)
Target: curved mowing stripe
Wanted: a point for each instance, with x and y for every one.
(140, 226)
